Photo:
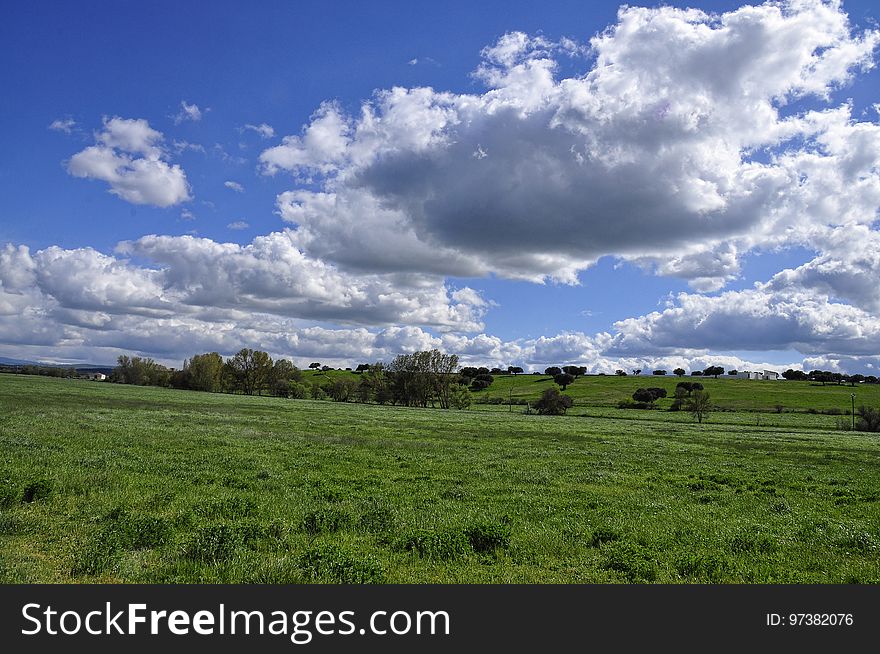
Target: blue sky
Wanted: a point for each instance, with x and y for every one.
(532, 294)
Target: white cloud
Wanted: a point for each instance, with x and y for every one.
(322, 146)
(183, 146)
(199, 293)
(65, 125)
(189, 112)
(235, 186)
(238, 225)
(129, 157)
(680, 149)
(265, 131)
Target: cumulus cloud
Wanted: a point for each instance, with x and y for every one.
(198, 293)
(128, 155)
(234, 186)
(238, 224)
(681, 148)
(687, 141)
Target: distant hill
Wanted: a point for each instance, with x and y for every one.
(16, 362)
(6, 361)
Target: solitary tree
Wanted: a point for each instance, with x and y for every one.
(363, 367)
(698, 405)
(659, 372)
(553, 371)
(733, 373)
(315, 365)
(564, 379)
(679, 372)
(637, 371)
(514, 370)
(713, 371)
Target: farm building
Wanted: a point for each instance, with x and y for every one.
(94, 376)
(763, 375)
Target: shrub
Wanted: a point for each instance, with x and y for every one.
(868, 419)
(479, 384)
(317, 392)
(649, 395)
(331, 563)
(298, 391)
(459, 397)
(629, 404)
(553, 402)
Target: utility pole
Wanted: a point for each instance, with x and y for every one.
(853, 396)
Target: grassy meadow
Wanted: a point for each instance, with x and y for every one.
(109, 483)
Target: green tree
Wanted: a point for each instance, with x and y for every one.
(679, 372)
(249, 371)
(282, 374)
(553, 402)
(698, 404)
(564, 379)
(205, 372)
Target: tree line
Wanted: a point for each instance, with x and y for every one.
(421, 379)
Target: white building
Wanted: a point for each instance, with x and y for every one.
(94, 376)
(764, 375)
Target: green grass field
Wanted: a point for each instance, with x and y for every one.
(108, 483)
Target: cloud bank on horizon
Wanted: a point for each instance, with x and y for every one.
(689, 141)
